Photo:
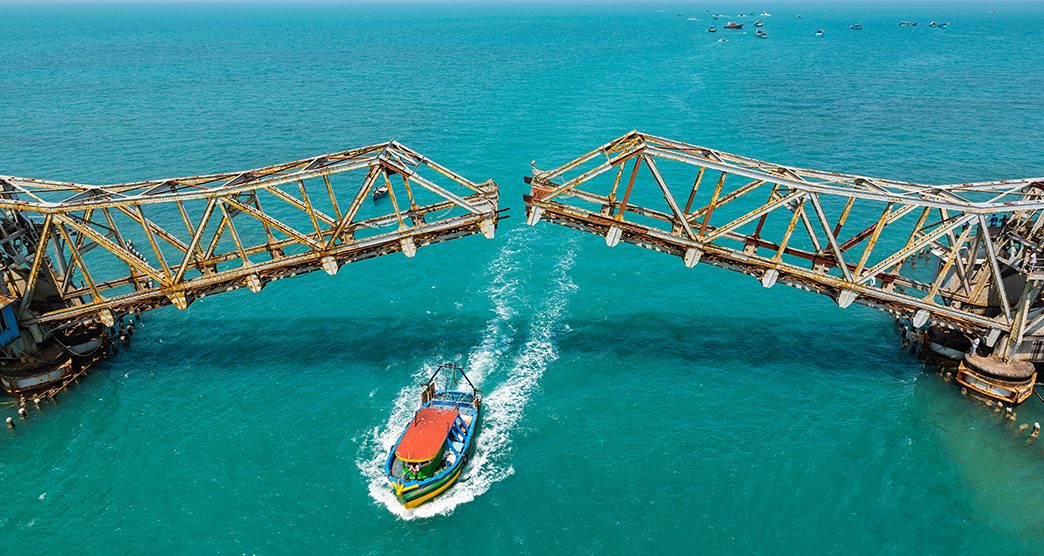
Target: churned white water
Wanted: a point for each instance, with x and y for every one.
(504, 405)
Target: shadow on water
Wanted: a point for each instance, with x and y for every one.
(386, 340)
(249, 343)
(767, 342)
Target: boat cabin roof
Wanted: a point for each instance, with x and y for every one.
(426, 434)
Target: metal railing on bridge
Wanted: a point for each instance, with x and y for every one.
(951, 255)
(76, 252)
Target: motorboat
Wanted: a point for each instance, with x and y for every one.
(436, 445)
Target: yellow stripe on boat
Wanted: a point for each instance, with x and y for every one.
(418, 501)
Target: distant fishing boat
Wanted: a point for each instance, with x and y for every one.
(431, 453)
(733, 25)
(381, 191)
(758, 23)
(856, 26)
(819, 33)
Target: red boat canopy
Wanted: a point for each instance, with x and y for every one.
(425, 435)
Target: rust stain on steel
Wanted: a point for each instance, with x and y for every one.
(876, 265)
(209, 234)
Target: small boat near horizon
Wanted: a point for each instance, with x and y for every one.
(429, 456)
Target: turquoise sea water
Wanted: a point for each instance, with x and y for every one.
(632, 404)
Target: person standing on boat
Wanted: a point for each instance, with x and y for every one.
(411, 471)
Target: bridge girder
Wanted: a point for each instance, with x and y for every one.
(790, 225)
(109, 250)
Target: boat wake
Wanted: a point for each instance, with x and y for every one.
(503, 406)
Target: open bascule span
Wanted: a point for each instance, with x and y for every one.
(80, 261)
(955, 264)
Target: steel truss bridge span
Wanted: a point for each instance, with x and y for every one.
(950, 255)
(75, 252)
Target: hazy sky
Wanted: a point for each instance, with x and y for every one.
(753, 4)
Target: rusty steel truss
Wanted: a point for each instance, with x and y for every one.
(949, 255)
(97, 252)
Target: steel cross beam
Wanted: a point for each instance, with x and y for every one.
(944, 254)
(101, 256)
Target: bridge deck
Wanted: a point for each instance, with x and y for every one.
(946, 254)
(78, 252)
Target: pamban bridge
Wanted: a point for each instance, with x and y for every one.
(955, 264)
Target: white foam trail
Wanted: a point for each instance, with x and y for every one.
(482, 360)
(503, 292)
(503, 406)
